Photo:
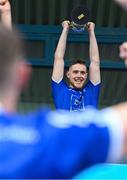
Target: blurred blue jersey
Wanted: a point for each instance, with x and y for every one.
(46, 144)
(71, 99)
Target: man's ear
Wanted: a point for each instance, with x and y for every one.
(86, 75)
(68, 74)
(24, 73)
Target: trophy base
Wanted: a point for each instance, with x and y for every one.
(78, 30)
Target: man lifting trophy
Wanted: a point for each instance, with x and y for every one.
(79, 93)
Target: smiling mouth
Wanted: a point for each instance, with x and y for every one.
(78, 80)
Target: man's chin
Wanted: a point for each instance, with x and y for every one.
(78, 87)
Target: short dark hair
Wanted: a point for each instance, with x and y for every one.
(77, 61)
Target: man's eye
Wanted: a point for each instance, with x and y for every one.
(83, 72)
(75, 72)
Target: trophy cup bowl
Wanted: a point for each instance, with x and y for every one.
(80, 16)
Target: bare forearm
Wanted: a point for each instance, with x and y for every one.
(58, 67)
(61, 47)
(6, 19)
(5, 9)
(93, 48)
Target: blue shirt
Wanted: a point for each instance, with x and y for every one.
(46, 144)
(74, 100)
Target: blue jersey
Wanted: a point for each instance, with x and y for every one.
(74, 100)
(47, 144)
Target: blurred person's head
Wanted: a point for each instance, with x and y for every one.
(77, 74)
(14, 71)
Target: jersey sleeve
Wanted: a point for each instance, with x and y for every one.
(58, 90)
(95, 92)
(94, 88)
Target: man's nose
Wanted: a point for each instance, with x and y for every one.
(79, 74)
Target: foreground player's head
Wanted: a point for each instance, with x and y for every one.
(14, 72)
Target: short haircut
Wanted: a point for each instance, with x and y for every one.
(11, 50)
(77, 61)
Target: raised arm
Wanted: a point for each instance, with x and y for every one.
(58, 67)
(5, 10)
(94, 69)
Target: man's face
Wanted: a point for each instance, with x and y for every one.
(77, 75)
